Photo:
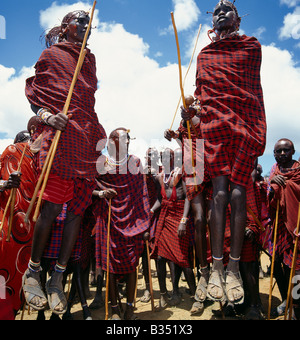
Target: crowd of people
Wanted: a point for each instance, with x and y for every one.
(202, 205)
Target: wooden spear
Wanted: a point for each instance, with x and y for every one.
(183, 97)
(49, 161)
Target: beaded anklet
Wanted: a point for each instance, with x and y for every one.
(60, 268)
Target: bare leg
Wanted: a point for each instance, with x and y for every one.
(234, 288)
(41, 234)
(130, 292)
(198, 208)
(69, 237)
(161, 274)
(217, 229)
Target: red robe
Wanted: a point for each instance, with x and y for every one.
(289, 198)
(77, 151)
(130, 218)
(167, 242)
(233, 122)
(15, 254)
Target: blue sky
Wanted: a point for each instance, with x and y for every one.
(137, 62)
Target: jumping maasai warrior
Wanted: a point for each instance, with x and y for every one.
(14, 255)
(285, 187)
(73, 171)
(130, 218)
(233, 127)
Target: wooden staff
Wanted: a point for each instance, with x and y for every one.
(257, 221)
(107, 261)
(146, 237)
(55, 141)
(289, 300)
(182, 96)
(11, 201)
(188, 69)
(273, 260)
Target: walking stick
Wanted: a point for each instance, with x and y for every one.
(56, 138)
(273, 259)
(146, 238)
(257, 221)
(11, 201)
(182, 96)
(289, 299)
(188, 69)
(107, 261)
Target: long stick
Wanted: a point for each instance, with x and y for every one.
(188, 69)
(293, 268)
(11, 201)
(39, 183)
(107, 262)
(257, 221)
(150, 277)
(65, 111)
(273, 260)
(182, 96)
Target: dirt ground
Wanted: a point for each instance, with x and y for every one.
(180, 312)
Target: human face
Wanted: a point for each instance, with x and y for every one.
(77, 28)
(225, 18)
(121, 142)
(283, 153)
(167, 160)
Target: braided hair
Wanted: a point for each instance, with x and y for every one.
(58, 33)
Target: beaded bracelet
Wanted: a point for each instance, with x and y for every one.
(184, 220)
(101, 194)
(2, 185)
(44, 114)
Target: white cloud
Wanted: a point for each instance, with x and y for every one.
(136, 92)
(259, 32)
(291, 25)
(281, 83)
(186, 14)
(14, 109)
(290, 3)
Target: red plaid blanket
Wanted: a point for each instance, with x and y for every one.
(76, 154)
(289, 198)
(233, 120)
(130, 218)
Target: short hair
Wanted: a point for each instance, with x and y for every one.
(22, 137)
(286, 140)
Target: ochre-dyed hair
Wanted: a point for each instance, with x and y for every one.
(231, 4)
(56, 34)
